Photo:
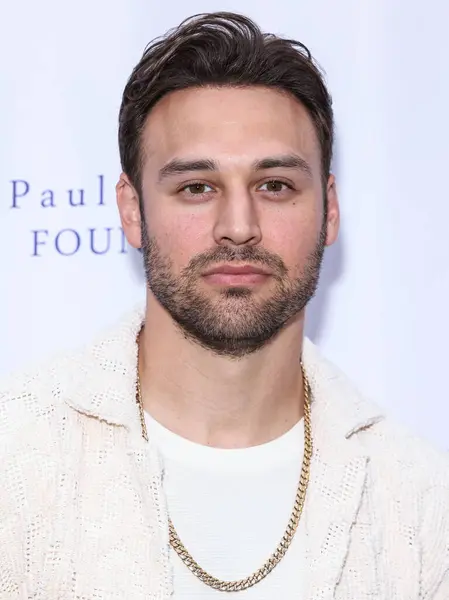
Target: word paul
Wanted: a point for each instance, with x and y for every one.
(69, 240)
(22, 193)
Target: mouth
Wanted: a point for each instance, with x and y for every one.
(236, 275)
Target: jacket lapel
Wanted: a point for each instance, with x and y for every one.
(334, 498)
(101, 383)
(148, 473)
(338, 474)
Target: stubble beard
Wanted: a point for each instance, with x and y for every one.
(233, 323)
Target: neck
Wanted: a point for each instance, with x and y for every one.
(214, 400)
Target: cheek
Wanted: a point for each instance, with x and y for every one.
(293, 237)
(181, 237)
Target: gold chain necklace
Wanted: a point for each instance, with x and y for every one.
(279, 553)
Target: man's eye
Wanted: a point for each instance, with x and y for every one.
(197, 188)
(274, 186)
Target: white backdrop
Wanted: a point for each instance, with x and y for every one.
(65, 272)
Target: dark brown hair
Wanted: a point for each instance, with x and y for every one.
(220, 49)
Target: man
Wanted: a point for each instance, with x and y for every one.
(203, 446)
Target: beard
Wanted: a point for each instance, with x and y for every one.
(235, 322)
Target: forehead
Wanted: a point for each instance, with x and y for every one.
(226, 123)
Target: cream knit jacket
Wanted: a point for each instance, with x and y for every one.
(82, 508)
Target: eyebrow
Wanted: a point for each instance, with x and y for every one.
(179, 166)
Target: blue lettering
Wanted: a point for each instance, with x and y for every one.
(124, 249)
(48, 199)
(77, 242)
(101, 178)
(80, 203)
(16, 194)
(37, 242)
(108, 242)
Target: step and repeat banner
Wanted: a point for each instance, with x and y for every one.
(66, 270)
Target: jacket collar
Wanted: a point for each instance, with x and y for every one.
(101, 382)
(101, 379)
(338, 408)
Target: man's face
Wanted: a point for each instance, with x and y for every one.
(234, 223)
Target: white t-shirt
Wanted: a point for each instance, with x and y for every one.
(230, 509)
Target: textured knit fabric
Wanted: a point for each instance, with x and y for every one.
(230, 508)
(83, 514)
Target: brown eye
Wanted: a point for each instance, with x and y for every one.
(197, 188)
(274, 187)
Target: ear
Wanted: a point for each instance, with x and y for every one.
(129, 209)
(333, 211)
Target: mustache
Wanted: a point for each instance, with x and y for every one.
(247, 254)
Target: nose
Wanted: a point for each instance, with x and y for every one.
(237, 221)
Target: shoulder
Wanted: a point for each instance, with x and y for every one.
(84, 379)
(31, 406)
(406, 456)
(28, 395)
(405, 473)
(343, 412)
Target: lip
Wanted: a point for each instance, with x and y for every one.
(236, 270)
(236, 275)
